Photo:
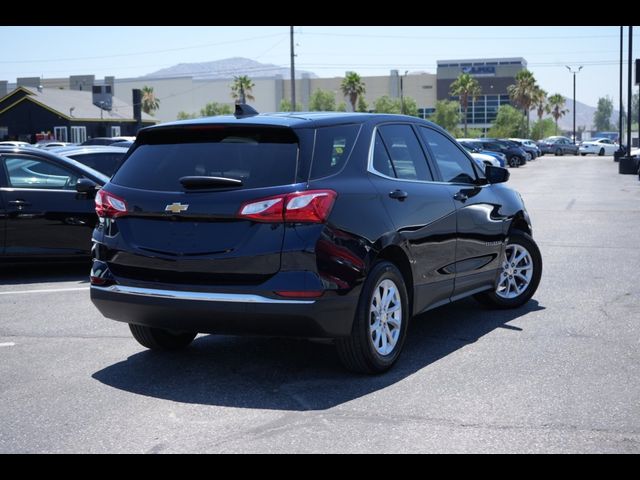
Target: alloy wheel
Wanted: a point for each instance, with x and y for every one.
(517, 272)
(385, 317)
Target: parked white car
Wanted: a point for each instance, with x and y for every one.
(15, 143)
(483, 159)
(599, 146)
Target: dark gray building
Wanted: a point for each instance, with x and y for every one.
(494, 76)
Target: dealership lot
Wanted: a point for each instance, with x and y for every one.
(561, 374)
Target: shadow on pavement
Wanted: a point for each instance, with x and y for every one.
(17, 274)
(290, 374)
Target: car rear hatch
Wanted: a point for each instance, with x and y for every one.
(183, 189)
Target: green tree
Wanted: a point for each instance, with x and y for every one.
(342, 107)
(241, 89)
(540, 102)
(386, 104)
(150, 103)
(322, 101)
(523, 92)
(602, 115)
(446, 114)
(363, 107)
(509, 123)
(186, 116)
(465, 87)
(634, 107)
(410, 106)
(214, 108)
(556, 105)
(352, 87)
(542, 129)
(285, 105)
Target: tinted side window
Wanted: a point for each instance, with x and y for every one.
(454, 165)
(403, 148)
(29, 172)
(333, 146)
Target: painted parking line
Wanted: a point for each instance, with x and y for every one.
(49, 290)
(7, 344)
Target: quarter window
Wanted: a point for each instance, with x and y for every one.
(454, 165)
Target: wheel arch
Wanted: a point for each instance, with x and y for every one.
(520, 222)
(397, 256)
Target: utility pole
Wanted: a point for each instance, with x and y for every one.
(293, 73)
(629, 97)
(620, 113)
(574, 99)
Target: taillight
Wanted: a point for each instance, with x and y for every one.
(109, 205)
(312, 206)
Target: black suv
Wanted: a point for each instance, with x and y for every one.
(331, 225)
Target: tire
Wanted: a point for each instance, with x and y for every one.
(159, 339)
(601, 152)
(514, 161)
(502, 297)
(364, 350)
(558, 152)
(583, 154)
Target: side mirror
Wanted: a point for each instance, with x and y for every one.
(496, 174)
(84, 185)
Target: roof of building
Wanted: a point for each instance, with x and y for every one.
(483, 61)
(78, 105)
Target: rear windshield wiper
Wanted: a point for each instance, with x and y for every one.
(210, 182)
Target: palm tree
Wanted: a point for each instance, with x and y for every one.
(556, 104)
(352, 87)
(241, 89)
(523, 91)
(465, 87)
(149, 101)
(540, 102)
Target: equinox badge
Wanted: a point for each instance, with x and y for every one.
(176, 208)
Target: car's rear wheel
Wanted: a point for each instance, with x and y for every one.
(558, 152)
(380, 325)
(160, 339)
(514, 161)
(520, 274)
(601, 152)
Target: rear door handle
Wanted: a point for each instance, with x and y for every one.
(461, 197)
(19, 203)
(399, 195)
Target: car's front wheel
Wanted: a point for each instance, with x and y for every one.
(519, 276)
(380, 325)
(601, 152)
(160, 339)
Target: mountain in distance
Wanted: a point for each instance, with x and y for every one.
(226, 68)
(584, 116)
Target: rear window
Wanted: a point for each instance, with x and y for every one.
(260, 157)
(104, 162)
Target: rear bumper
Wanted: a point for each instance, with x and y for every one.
(230, 313)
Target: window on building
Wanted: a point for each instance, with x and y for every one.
(78, 134)
(61, 134)
(115, 131)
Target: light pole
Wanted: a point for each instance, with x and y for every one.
(574, 99)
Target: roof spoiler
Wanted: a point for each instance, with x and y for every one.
(244, 110)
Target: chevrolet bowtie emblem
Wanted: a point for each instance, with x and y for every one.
(176, 208)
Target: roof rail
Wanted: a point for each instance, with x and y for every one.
(244, 110)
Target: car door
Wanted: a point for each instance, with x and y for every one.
(45, 215)
(480, 223)
(421, 210)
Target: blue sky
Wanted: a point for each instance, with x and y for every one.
(327, 51)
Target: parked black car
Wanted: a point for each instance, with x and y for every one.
(105, 140)
(46, 205)
(341, 226)
(558, 146)
(104, 159)
(515, 155)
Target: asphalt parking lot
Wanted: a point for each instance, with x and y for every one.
(561, 374)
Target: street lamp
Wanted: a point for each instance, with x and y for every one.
(574, 99)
